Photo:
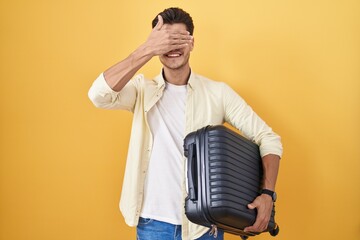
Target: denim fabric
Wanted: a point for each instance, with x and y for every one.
(149, 229)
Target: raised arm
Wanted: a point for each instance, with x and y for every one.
(159, 42)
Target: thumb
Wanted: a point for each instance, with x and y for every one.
(251, 206)
(160, 23)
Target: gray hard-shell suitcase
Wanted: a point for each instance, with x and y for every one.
(224, 175)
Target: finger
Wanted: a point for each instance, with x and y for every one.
(176, 47)
(249, 229)
(181, 35)
(254, 228)
(160, 23)
(180, 42)
(260, 224)
(251, 206)
(257, 226)
(177, 42)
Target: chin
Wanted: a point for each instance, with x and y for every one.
(174, 65)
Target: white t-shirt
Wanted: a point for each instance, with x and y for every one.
(163, 184)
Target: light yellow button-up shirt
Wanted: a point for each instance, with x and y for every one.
(208, 103)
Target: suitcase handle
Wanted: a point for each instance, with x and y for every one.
(190, 172)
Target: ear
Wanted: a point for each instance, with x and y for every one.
(192, 44)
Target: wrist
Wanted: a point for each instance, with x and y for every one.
(266, 197)
(269, 193)
(146, 51)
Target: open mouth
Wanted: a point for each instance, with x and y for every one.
(173, 54)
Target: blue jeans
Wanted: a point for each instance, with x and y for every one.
(150, 229)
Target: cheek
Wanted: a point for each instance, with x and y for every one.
(188, 49)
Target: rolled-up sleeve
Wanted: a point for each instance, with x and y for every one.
(102, 96)
(239, 114)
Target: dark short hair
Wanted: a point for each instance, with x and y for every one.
(176, 15)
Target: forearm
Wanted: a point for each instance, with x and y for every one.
(120, 74)
(271, 163)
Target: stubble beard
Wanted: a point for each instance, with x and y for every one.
(175, 65)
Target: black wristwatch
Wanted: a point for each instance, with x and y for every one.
(270, 193)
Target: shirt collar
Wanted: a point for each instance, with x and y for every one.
(161, 81)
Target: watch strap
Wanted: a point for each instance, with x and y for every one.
(272, 194)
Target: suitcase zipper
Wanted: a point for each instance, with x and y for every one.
(213, 231)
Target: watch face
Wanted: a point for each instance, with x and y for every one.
(274, 196)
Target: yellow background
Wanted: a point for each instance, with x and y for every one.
(62, 160)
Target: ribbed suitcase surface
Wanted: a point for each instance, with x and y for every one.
(224, 176)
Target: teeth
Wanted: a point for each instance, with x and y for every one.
(173, 55)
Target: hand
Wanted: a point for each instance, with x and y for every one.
(264, 205)
(162, 41)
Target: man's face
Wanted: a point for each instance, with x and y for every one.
(178, 58)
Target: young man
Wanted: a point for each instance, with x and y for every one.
(165, 109)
